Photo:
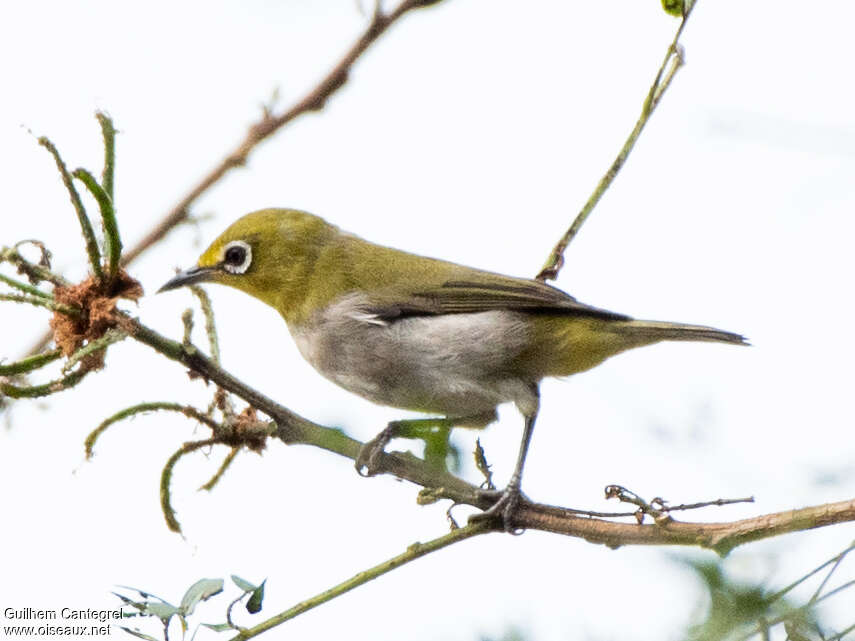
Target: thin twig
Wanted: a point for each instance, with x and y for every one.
(191, 412)
(30, 363)
(840, 635)
(166, 479)
(702, 504)
(831, 571)
(777, 595)
(24, 287)
(674, 57)
(108, 132)
(790, 614)
(85, 224)
(415, 551)
(35, 272)
(45, 389)
(112, 240)
(230, 457)
(39, 301)
(210, 325)
(187, 322)
(110, 336)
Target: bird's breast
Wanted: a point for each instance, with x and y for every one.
(453, 364)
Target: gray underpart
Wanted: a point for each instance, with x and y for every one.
(454, 365)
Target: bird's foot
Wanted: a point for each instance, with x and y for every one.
(506, 503)
(368, 460)
(433, 431)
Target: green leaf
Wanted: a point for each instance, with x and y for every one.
(202, 590)
(243, 584)
(218, 627)
(673, 7)
(163, 611)
(254, 603)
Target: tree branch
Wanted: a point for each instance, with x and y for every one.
(294, 429)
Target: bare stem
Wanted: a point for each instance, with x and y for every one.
(85, 225)
(413, 552)
(141, 408)
(166, 480)
(40, 301)
(674, 57)
(30, 363)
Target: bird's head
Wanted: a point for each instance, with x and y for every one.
(268, 254)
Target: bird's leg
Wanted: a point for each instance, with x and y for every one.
(508, 499)
(433, 431)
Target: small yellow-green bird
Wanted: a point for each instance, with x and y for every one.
(418, 333)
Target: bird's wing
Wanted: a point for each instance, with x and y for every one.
(487, 294)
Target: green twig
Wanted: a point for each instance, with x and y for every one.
(415, 551)
(842, 634)
(85, 225)
(166, 478)
(112, 240)
(58, 385)
(110, 336)
(801, 610)
(210, 327)
(128, 412)
(24, 287)
(30, 363)
(835, 560)
(187, 321)
(211, 484)
(39, 301)
(674, 58)
(108, 131)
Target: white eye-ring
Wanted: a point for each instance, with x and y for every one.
(237, 257)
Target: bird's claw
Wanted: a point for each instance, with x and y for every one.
(368, 460)
(506, 503)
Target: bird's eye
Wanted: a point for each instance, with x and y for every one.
(237, 257)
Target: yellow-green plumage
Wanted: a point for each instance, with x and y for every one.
(419, 333)
(302, 264)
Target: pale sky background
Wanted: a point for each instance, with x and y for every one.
(472, 131)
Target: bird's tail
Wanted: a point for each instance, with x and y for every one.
(643, 332)
(565, 346)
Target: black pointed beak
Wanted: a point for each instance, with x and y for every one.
(189, 276)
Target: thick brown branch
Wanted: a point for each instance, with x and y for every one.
(721, 537)
(294, 429)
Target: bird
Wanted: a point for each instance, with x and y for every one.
(418, 333)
